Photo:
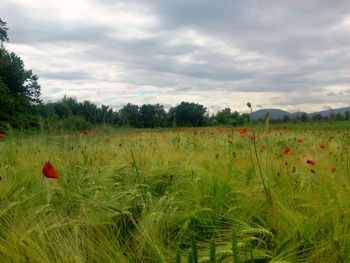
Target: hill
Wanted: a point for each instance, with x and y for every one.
(280, 114)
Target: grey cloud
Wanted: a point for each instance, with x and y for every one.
(65, 75)
(299, 45)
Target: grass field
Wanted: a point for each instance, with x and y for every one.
(177, 195)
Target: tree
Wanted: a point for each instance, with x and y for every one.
(17, 79)
(129, 115)
(224, 116)
(3, 31)
(316, 117)
(286, 118)
(188, 114)
(88, 110)
(347, 115)
(304, 117)
(151, 116)
(19, 88)
(62, 110)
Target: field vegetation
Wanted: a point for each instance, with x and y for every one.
(249, 194)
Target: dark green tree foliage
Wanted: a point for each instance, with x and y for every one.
(62, 110)
(226, 117)
(188, 114)
(347, 115)
(152, 116)
(3, 31)
(19, 88)
(129, 115)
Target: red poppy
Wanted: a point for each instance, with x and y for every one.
(333, 170)
(286, 150)
(49, 171)
(322, 146)
(85, 132)
(252, 137)
(243, 131)
(300, 140)
(2, 136)
(195, 133)
(311, 162)
(107, 139)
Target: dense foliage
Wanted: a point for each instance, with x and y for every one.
(19, 88)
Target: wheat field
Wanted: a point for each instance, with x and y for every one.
(176, 195)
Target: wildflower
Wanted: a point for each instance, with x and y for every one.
(107, 139)
(286, 150)
(300, 140)
(49, 171)
(322, 146)
(195, 133)
(252, 137)
(333, 170)
(2, 136)
(85, 132)
(311, 162)
(243, 131)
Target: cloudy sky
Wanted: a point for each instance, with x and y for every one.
(293, 55)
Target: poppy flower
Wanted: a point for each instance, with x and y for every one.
(195, 133)
(311, 162)
(49, 171)
(85, 132)
(322, 146)
(2, 136)
(243, 131)
(300, 140)
(252, 137)
(333, 170)
(286, 150)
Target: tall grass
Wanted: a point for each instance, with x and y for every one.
(173, 196)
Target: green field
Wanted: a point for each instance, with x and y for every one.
(172, 195)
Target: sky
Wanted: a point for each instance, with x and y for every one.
(292, 55)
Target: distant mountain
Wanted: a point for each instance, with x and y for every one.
(279, 114)
(326, 113)
(274, 114)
